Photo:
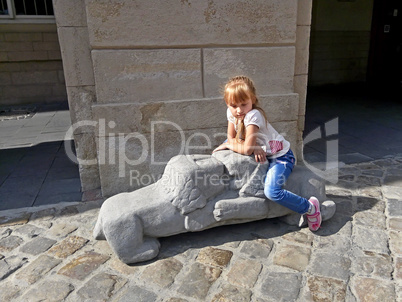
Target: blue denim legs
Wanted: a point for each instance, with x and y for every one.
(278, 172)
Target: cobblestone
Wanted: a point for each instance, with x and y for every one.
(38, 268)
(48, 253)
(81, 267)
(68, 246)
(244, 273)
(37, 246)
(292, 256)
(162, 272)
(101, 287)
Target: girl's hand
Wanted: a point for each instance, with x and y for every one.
(221, 147)
(260, 155)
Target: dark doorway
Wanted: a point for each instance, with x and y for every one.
(385, 58)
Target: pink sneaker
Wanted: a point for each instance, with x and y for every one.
(314, 224)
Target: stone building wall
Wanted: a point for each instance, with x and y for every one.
(30, 64)
(144, 78)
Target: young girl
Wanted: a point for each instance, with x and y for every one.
(250, 133)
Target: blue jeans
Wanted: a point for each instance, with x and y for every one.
(278, 172)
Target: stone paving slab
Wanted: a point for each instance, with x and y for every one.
(48, 253)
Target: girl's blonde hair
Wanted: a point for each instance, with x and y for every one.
(238, 90)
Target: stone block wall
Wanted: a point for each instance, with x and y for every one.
(31, 69)
(78, 70)
(148, 74)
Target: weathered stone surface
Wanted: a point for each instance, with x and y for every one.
(43, 215)
(77, 63)
(198, 281)
(5, 232)
(304, 8)
(21, 218)
(244, 273)
(141, 117)
(101, 287)
(231, 293)
(29, 230)
(163, 272)
(395, 242)
(292, 256)
(302, 49)
(176, 300)
(326, 289)
(395, 224)
(9, 291)
(120, 24)
(122, 268)
(281, 286)
(301, 236)
(272, 68)
(48, 291)
(145, 118)
(81, 99)
(370, 239)
(391, 192)
(371, 192)
(372, 264)
(9, 265)
(61, 230)
(139, 293)
(69, 211)
(147, 75)
(370, 219)
(9, 243)
(68, 246)
(257, 249)
(70, 13)
(365, 181)
(372, 290)
(368, 203)
(82, 266)
(331, 266)
(37, 269)
(37, 245)
(338, 240)
(395, 207)
(398, 268)
(214, 257)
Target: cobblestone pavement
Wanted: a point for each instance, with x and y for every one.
(48, 253)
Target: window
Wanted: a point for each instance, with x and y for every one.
(26, 10)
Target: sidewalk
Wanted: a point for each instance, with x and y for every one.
(34, 168)
(48, 252)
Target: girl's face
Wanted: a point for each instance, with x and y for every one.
(240, 109)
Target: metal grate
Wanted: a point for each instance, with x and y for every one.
(33, 7)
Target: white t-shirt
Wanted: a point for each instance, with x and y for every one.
(268, 138)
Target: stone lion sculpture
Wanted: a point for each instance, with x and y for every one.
(197, 192)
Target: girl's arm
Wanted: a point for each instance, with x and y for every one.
(246, 147)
